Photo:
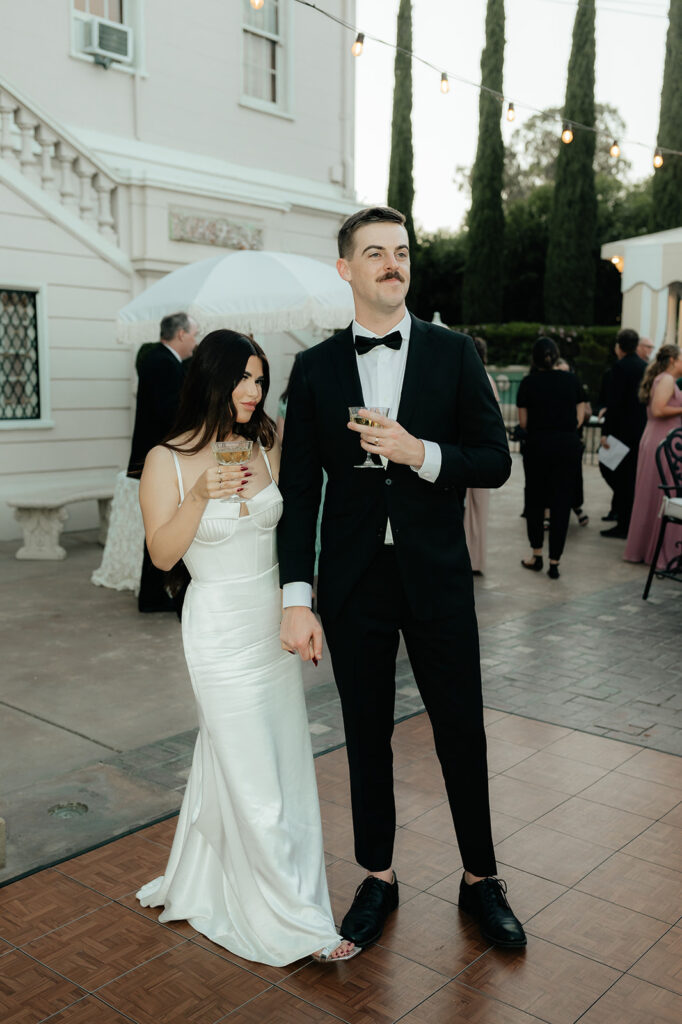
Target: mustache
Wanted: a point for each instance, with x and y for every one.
(392, 275)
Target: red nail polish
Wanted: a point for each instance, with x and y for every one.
(315, 662)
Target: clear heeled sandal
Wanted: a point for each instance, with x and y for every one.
(325, 955)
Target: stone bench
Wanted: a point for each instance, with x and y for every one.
(42, 515)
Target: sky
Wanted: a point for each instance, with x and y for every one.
(450, 34)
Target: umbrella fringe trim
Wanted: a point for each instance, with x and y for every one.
(309, 315)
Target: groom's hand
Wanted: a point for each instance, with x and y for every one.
(301, 633)
(388, 438)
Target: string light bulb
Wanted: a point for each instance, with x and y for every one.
(567, 133)
(356, 48)
(658, 159)
(511, 113)
(444, 84)
(257, 4)
(615, 150)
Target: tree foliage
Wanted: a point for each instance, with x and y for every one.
(623, 211)
(482, 291)
(531, 156)
(569, 270)
(400, 178)
(437, 273)
(667, 189)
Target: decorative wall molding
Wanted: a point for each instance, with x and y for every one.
(212, 229)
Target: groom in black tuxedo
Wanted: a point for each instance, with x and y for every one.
(394, 556)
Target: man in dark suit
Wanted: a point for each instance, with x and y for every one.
(625, 419)
(160, 376)
(394, 556)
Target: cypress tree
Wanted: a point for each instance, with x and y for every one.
(570, 266)
(400, 181)
(667, 185)
(482, 285)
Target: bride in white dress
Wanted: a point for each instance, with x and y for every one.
(246, 867)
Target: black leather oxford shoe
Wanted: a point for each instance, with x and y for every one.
(487, 902)
(374, 900)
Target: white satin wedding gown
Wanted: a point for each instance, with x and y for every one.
(246, 867)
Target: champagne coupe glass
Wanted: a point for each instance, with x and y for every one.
(354, 413)
(232, 453)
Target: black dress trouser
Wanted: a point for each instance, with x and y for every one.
(624, 479)
(551, 462)
(444, 654)
(152, 596)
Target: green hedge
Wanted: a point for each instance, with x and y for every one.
(589, 350)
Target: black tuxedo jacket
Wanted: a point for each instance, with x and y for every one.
(625, 414)
(160, 378)
(447, 398)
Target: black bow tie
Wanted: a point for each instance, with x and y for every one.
(363, 344)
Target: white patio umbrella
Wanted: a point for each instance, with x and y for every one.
(259, 292)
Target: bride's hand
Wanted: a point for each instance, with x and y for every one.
(221, 482)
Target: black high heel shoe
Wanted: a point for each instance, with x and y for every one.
(535, 565)
(553, 572)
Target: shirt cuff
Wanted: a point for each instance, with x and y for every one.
(297, 594)
(430, 467)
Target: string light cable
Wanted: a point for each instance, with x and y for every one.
(446, 76)
(617, 7)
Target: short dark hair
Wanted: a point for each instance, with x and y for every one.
(171, 324)
(370, 215)
(545, 354)
(627, 340)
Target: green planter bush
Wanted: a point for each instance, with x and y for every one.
(589, 350)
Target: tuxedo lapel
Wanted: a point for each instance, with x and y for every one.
(346, 369)
(415, 371)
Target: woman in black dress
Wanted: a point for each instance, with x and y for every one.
(551, 408)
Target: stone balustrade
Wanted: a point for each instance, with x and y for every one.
(56, 165)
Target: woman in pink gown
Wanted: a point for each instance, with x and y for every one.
(664, 412)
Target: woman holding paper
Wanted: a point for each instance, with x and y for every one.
(551, 408)
(664, 412)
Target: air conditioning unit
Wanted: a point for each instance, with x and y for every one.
(109, 40)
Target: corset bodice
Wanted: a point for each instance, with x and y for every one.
(230, 546)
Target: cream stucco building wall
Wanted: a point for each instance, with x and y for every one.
(99, 165)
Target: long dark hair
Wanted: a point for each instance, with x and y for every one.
(206, 408)
(659, 364)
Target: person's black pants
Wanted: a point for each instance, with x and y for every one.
(152, 596)
(444, 654)
(607, 476)
(551, 464)
(623, 483)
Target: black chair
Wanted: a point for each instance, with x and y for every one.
(669, 465)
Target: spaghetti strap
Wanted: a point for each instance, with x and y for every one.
(177, 470)
(267, 461)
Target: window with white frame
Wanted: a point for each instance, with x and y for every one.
(264, 56)
(19, 355)
(107, 32)
(112, 10)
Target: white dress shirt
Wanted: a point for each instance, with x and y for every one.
(381, 371)
(171, 349)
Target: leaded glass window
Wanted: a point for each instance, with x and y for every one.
(19, 377)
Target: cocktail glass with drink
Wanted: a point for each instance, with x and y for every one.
(232, 453)
(354, 413)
